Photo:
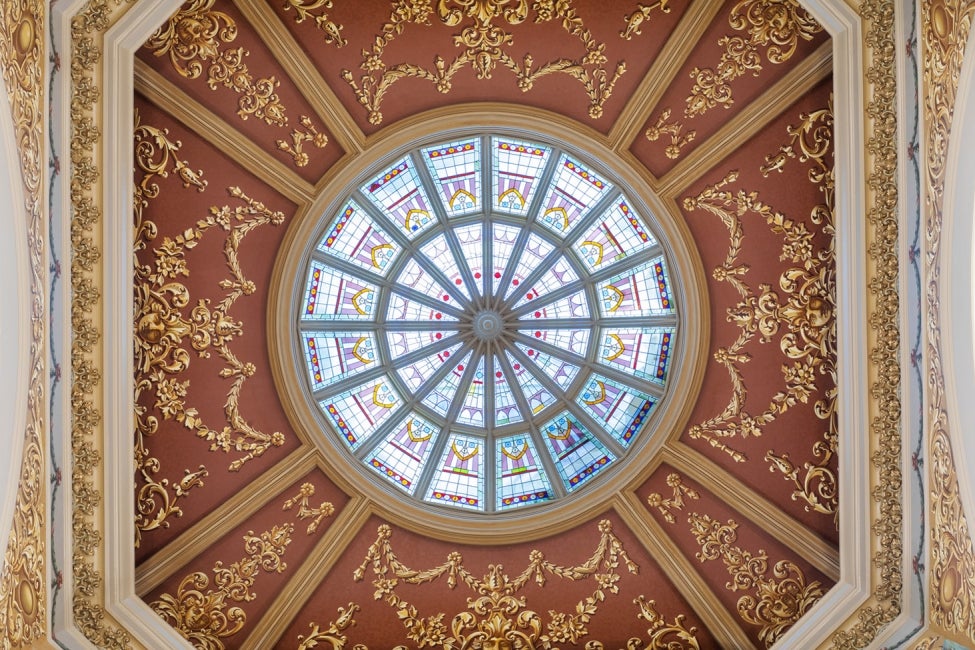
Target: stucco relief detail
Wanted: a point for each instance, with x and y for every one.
(945, 25)
(23, 588)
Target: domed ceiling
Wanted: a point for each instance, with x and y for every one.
(260, 129)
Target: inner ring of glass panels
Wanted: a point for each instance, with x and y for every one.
(487, 324)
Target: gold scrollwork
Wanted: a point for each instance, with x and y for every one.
(497, 617)
(640, 15)
(673, 129)
(483, 44)
(776, 601)
(805, 311)
(305, 9)
(331, 635)
(656, 500)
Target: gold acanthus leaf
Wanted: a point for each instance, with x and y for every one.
(483, 42)
(305, 9)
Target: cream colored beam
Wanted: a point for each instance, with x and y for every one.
(661, 74)
(762, 512)
(683, 575)
(305, 75)
(751, 120)
(310, 575)
(221, 520)
(221, 135)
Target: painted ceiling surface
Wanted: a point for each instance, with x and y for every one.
(246, 536)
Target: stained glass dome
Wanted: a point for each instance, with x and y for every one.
(487, 324)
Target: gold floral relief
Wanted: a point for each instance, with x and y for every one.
(305, 9)
(772, 27)
(496, 616)
(802, 310)
(776, 598)
(483, 41)
(944, 29)
(675, 502)
(206, 615)
(23, 574)
(641, 15)
(197, 34)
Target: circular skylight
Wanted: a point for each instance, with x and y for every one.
(487, 325)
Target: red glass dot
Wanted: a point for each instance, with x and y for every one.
(497, 274)
(531, 353)
(477, 276)
(439, 335)
(517, 366)
(446, 353)
(446, 297)
(438, 316)
(498, 374)
(515, 282)
(461, 368)
(458, 282)
(528, 296)
(538, 314)
(538, 335)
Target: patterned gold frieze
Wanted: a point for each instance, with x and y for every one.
(196, 35)
(483, 40)
(206, 615)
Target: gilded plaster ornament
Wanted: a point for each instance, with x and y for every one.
(676, 502)
(674, 130)
(641, 15)
(496, 617)
(23, 579)
(483, 42)
(330, 637)
(306, 9)
(305, 511)
(774, 602)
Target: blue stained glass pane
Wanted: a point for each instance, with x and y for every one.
(506, 409)
(557, 276)
(572, 306)
(459, 479)
(560, 371)
(472, 406)
(333, 356)
(618, 233)
(621, 409)
(416, 374)
(515, 171)
(438, 251)
(573, 193)
(355, 237)
(503, 245)
(358, 412)
(642, 352)
(520, 478)
(401, 455)
(401, 197)
(578, 454)
(641, 291)
(332, 295)
(440, 398)
(456, 171)
(534, 253)
(570, 340)
(402, 308)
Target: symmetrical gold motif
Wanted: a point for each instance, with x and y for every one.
(776, 601)
(483, 44)
(155, 153)
(945, 28)
(673, 129)
(163, 330)
(331, 635)
(193, 36)
(806, 312)
(497, 617)
(642, 14)
(304, 10)
(23, 588)
(325, 509)
(656, 500)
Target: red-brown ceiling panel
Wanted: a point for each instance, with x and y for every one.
(750, 45)
(578, 45)
(613, 618)
(200, 328)
(214, 55)
(768, 402)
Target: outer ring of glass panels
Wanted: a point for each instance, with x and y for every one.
(574, 447)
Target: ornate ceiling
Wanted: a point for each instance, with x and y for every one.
(250, 117)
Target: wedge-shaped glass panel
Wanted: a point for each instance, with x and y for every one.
(437, 250)
(520, 477)
(572, 306)
(506, 409)
(456, 171)
(502, 248)
(357, 413)
(401, 455)
(416, 374)
(570, 340)
(472, 399)
(536, 394)
(401, 343)
(333, 295)
(621, 409)
(532, 255)
(556, 276)
(573, 193)
(577, 453)
(333, 356)
(355, 237)
(471, 240)
(617, 234)
(643, 353)
(402, 308)
(459, 478)
(516, 170)
(418, 278)
(441, 397)
(641, 291)
(400, 196)
(559, 370)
